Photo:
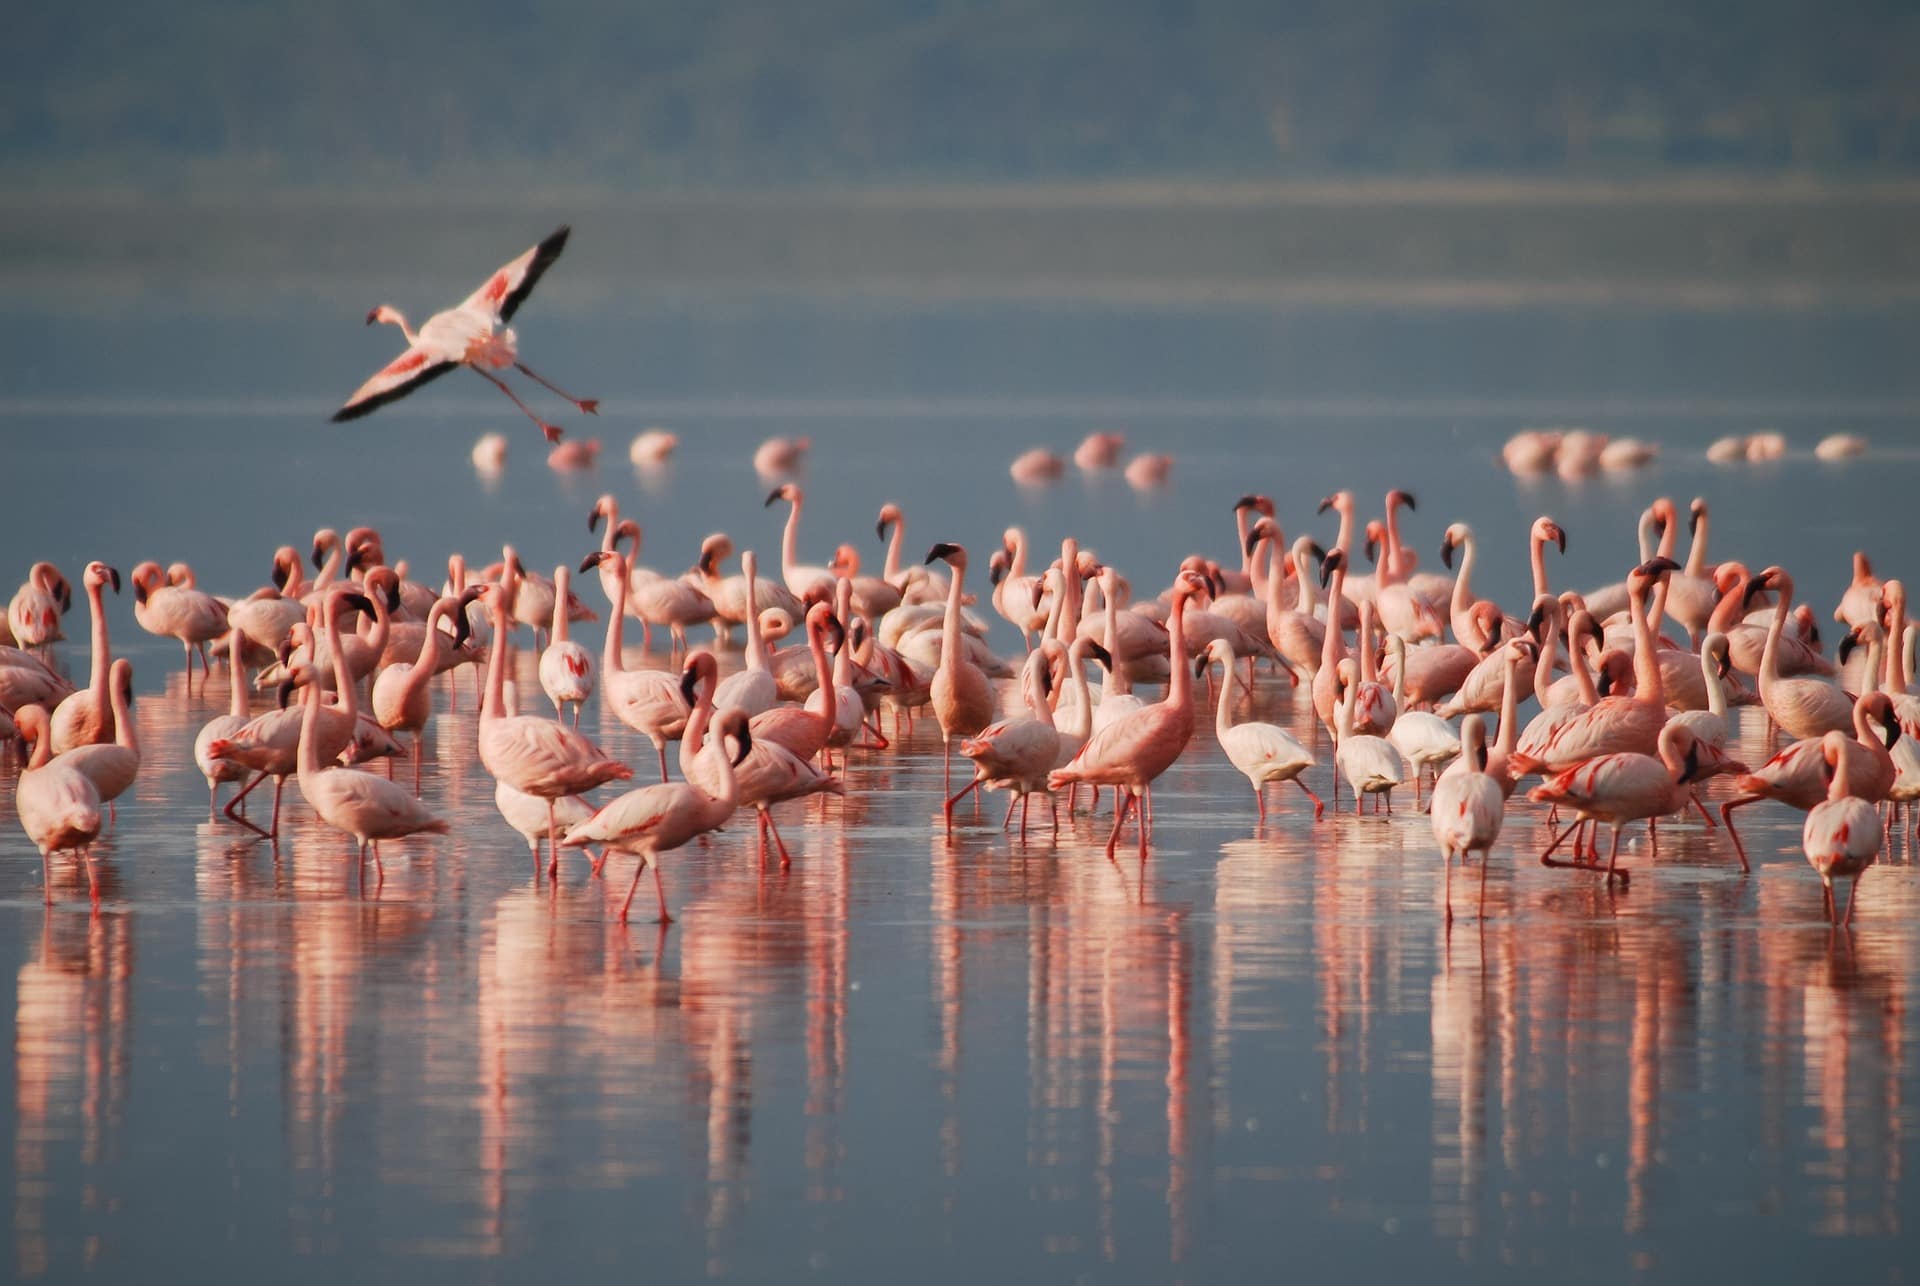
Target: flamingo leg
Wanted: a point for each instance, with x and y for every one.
(279, 784)
(1026, 802)
(631, 890)
(1726, 815)
(1260, 801)
(1705, 816)
(661, 890)
(662, 748)
(93, 879)
(1485, 861)
(1012, 800)
(1319, 809)
(786, 858)
(1546, 858)
(1119, 820)
(1447, 893)
(1853, 899)
(956, 797)
(588, 406)
(1613, 852)
(234, 803)
(551, 431)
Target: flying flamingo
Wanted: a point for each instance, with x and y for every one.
(1468, 808)
(473, 334)
(1842, 834)
(657, 819)
(538, 756)
(86, 717)
(58, 807)
(1129, 753)
(1262, 752)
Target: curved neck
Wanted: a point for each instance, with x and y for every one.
(417, 678)
(756, 642)
(1895, 681)
(693, 740)
(1726, 613)
(42, 747)
(1577, 662)
(1716, 690)
(1543, 664)
(895, 545)
(1276, 579)
(1077, 675)
(393, 316)
(1539, 565)
(124, 733)
(610, 651)
(1392, 561)
(1345, 543)
(1770, 654)
(822, 668)
(1222, 714)
(307, 758)
(1334, 645)
(1247, 556)
(1399, 673)
(1697, 547)
(1017, 566)
(328, 569)
(342, 676)
(1463, 583)
(1180, 681)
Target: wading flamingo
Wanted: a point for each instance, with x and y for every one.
(86, 717)
(58, 807)
(1842, 834)
(1468, 808)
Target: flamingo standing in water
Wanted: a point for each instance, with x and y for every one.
(962, 696)
(1629, 787)
(367, 807)
(228, 725)
(648, 701)
(1129, 753)
(1262, 752)
(473, 334)
(1842, 834)
(566, 668)
(86, 717)
(1469, 806)
(58, 807)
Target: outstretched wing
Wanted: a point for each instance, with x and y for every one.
(509, 287)
(394, 381)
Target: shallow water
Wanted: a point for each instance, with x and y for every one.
(952, 1059)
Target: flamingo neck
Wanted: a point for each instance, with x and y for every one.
(1180, 681)
(342, 676)
(1894, 681)
(1507, 734)
(1841, 787)
(1303, 573)
(1077, 675)
(1543, 664)
(307, 757)
(1539, 557)
(42, 747)
(1117, 679)
(756, 642)
(329, 569)
(950, 625)
(1333, 647)
(822, 669)
(1463, 583)
(1716, 690)
(895, 545)
(493, 701)
(1697, 548)
(692, 741)
(236, 679)
(790, 544)
(125, 735)
(1399, 673)
(421, 674)
(394, 317)
(97, 674)
(610, 651)
(1646, 667)
(1577, 662)
(558, 634)
(1222, 716)
(1770, 654)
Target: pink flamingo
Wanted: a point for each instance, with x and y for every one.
(1017, 754)
(1628, 787)
(962, 696)
(33, 615)
(648, 701)
(1804, 707)
(473, 334)
(86, 717)
(801, 729)
(1131, 752)
(657, 819)
(566, 668)
(1794, 776)
(365, 806)
(1469, 806)
(222, 727)
(1842, 834)
(802, 579)
(537, 756)
(58, 807)
(194, 617)
(112, 767)
(402, 697)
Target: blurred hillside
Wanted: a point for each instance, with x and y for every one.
(623, 96)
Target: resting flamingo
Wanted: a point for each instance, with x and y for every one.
(657, 819)
(474, 334)
(1469, 806)
(33, 614)
(1129, 753)
(1842, 834)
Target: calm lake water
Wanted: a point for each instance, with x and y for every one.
(909, 1057)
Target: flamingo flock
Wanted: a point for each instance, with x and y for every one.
(1408, 675)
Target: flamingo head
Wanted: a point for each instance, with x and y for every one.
(1262, 505)
(1340, 501)
(1545, 529)
(324, 542)
(99, 574)
(1088, 647)
(785, 491)
(627, 529)
(146, 577)
(1655, 568)
(385, 313)
(997, 566)
(1396, 498)
(889, 515)
(605, 507)
(1455, 535)
(1696, 514)
(733, 723)
(386, 581)
(700, 667)
(951, 554)
(1715, 645)
(1263, 528)
(364, 548)
(1545, 608)
(1335, 561)
(1376, 535)
(714, 550)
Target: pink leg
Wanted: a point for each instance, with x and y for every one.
(1319, 809)
(551, 431)
(1119, 820)
(1726, 815)
(588, 406)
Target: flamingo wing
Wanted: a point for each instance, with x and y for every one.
(508, 288)
(394, 381)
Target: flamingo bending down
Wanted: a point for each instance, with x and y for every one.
(657, 819)
(86, 717)
(222, 727)
(1129, 753)
(473, 334)
(1017, 754)
(1629, 787)
(1262, 752)
(1842, 835)
(1469, 806)
(58, 807)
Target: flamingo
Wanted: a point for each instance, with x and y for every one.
(962, 696)
(1370, 764)
(1628, 786)
(539, 756)
(86, 717)
(1469, 806)
(1132, 751)
(1804, 707)
(873, 596)
(223, 727)
(402, 699)
(802, 729)
(365, 806)
(177, 611)
(1261, 752)
(648, 701)
(779, 455)
(1427, 740)
(1842, 834)
(33, 614)
(1794, 777)
(752, 689)
(474, 334)
(1860, 601)
(803, 580)
(57, 804)
(566, 668)
(670, 601)
(112, 767)
(1017, 754)
(657, 819)
(1099, 451)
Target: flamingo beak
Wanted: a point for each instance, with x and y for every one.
(1536, 621)
(746, 744)
(1325, 505)
(1892, 721)
(1253, 539)
(1100, 654)
(942, 550)
(880, 529)
(1246, 502)
(593, 519)
(771, 497)
(1657, 565)
(1446, 552)
(373, 315)
(280, 573)
(1693, 762)
(319, 555)
(358, 602)
(1405, 498)
(1848, 644)
(689, 681)
(283, 693)
(1373, 550)
(996, 571)
(590, 561)
(113, 578)
(140, 591)
(1560, 537)
(462, 627)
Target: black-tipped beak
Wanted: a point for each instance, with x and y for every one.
(689, 681)
(1813, 633)
(589, 562)
(880, 529)
(1313, 547)
(1693, 762)
(1535, 621)
(996, 572)
(839, 632)
(1560, 537)
(1695, 513)
(942, 550)
(1325, 505)
(1329, 565)
(1892, 720)
(593, 520)
(1039, 591)
(1603, 683)
(745, 738)
(1253, 539)
(1405, 498)
(280, 574)
(1100, 654)
(359, 602)
(113, 578)
(319, 556)
(1446, 553)
(282, 693)
(462, 627)
(771, 497)
(1373, 550)
(1848, 644)
(373, 315)
(1657, 565)
(393, 597)
(140, 592)
(1246, 502)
